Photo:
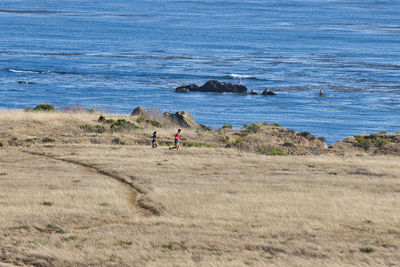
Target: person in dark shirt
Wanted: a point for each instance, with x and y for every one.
(154, 141)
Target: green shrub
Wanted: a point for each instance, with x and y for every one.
(122, 124)
(366, 142)
(44, 107)
(226, 140)
(381, 143)
(322, 139)
(141, 119)
(367, 249)
(238, 143)
(153, 122)
(276, 124)
(251, 128)
(227, 126)
(383, 132)
(47, 203)
(93, 128)
(265, 123)
(60, 231)
(270, 150)
(112, 258)
(101, 118)
(21, 227)
(173, 244)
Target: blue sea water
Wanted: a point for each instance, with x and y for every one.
(116, 55)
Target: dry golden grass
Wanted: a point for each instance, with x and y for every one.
(67, 204)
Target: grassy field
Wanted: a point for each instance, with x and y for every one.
(78, 198)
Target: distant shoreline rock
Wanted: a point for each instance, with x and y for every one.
(213, 86)
(140, 111)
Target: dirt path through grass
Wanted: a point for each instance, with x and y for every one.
(137, 193)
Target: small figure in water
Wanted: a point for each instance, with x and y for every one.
(154, 141)
(177, 138)
(321, 92)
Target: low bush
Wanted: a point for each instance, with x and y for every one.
(122, 124)
(173, 244)
(251, 128)
(238, 143)
(226, 139)
(101, 119)
(154, 123)
(270, 150)
(44, 107)
(118, 125)
(93, 128)
(276, 124)
(227, 126)
(141, 119)
(47, 203)
(367, 249)
(366, 142)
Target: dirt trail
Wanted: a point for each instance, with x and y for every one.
(135, 199)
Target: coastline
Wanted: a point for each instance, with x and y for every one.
(262, 137)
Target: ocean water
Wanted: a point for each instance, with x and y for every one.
(115, 55)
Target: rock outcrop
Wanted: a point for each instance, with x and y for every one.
(181, 118)
(187, 88)
(214, 87)
(140, 111)
(268, 92)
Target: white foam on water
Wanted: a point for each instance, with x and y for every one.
(23, 71)
(238, 76)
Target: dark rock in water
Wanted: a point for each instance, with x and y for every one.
(222, 87)
(252, 92)
(268, 92)
(139, 111)
(213, 87)
(187, 88)
(24, 82)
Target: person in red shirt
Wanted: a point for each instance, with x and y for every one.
(177, 139)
